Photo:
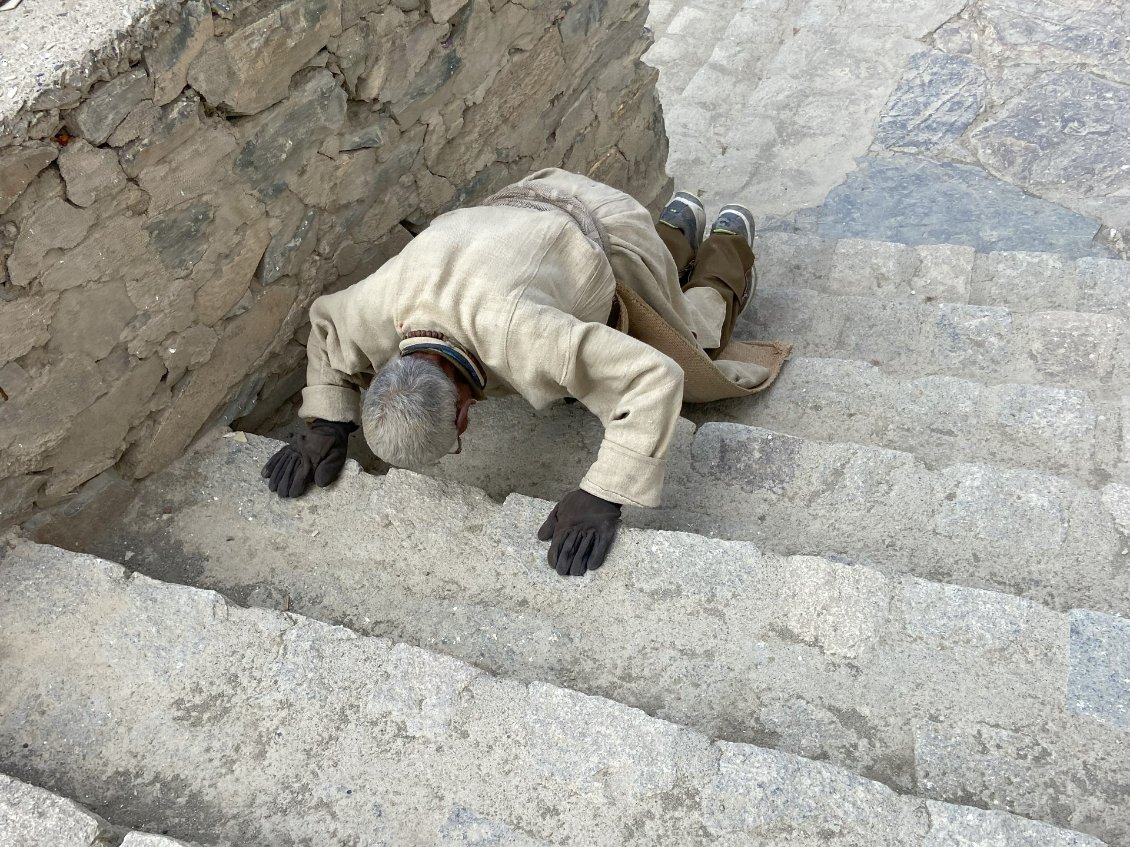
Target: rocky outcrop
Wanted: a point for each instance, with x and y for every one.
(175, 190)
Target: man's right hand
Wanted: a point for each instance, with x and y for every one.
(317, 454)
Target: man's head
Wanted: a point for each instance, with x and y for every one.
(415, 410)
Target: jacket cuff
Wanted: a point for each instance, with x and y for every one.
(623, 476)
(331, 403)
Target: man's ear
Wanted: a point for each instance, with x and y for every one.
(463, 411)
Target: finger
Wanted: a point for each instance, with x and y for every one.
(271, 462)
(568, 551)
(601, 546)
(584, 550)
(555, 549)
(280, 470)
(300, 479)
(330, 468)
(548, 528)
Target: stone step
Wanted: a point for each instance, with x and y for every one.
(1019, 531)
(940, 419)
(34, 817)
(944, 273)
(262, 728)
(936, 690)
(987, 344)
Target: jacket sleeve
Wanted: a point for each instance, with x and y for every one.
(332, 392)
(637, 392)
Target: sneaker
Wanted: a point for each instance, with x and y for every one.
(686, 213)
(734, 220)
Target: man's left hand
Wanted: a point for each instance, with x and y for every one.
(582, 527)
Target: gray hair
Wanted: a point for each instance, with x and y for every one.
(408, 413)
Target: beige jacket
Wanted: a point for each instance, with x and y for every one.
(529, 295)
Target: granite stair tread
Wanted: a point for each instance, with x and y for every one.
(937, 690)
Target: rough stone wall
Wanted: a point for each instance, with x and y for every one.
(171, 203)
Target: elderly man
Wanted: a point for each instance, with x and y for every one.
(520, 295)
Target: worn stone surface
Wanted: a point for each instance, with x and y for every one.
(246, 338)
(401, 724)
(904, 199)
(169, 59)
(730, 646)
(109, 104)
(90, 173)
(1023, 95)
(1065, 133)
(940, 419)
(19, 166)
(24, 324)
(32, 817)
(53, 225)
(988, 344)
(250, 69)
(935, 102)
(1098, 683)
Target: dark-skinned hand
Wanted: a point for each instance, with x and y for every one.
(582, 527)
(314, 455)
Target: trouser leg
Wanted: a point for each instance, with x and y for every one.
(725, 264)
(678, 246)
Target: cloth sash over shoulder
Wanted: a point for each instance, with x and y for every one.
(703, 382)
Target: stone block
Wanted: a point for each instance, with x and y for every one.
(17, 496)
(1067, 346)
(1098, 682)
(169, 59)
(466, 827)
(89, 320)
(186, 350)
(19, 166)
(54, 225)
(414, 695)
(767, 795)
(621, 746)
(935, 102)
(108, 104)
(999, 627)
(145, 839)
(962, 826)
(279, 140)
(944, 273)
(1026, 282)
(911, 200)
(171, 127)
(252, 67)
(979, 339)
(33, 817)
(788, 260)
(143, 117)
(24, 324)
(244, 340)
(290, 246)
(194, 168)
(39, 416)
(837, 608)
(1081, 150)
(233, 273)
(1116, 499)
(871, 268)
(98, 434)
(1104, 286)
(90, 173)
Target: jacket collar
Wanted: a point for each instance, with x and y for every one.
(464, 361)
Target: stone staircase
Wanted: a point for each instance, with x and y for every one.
(885, 603)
